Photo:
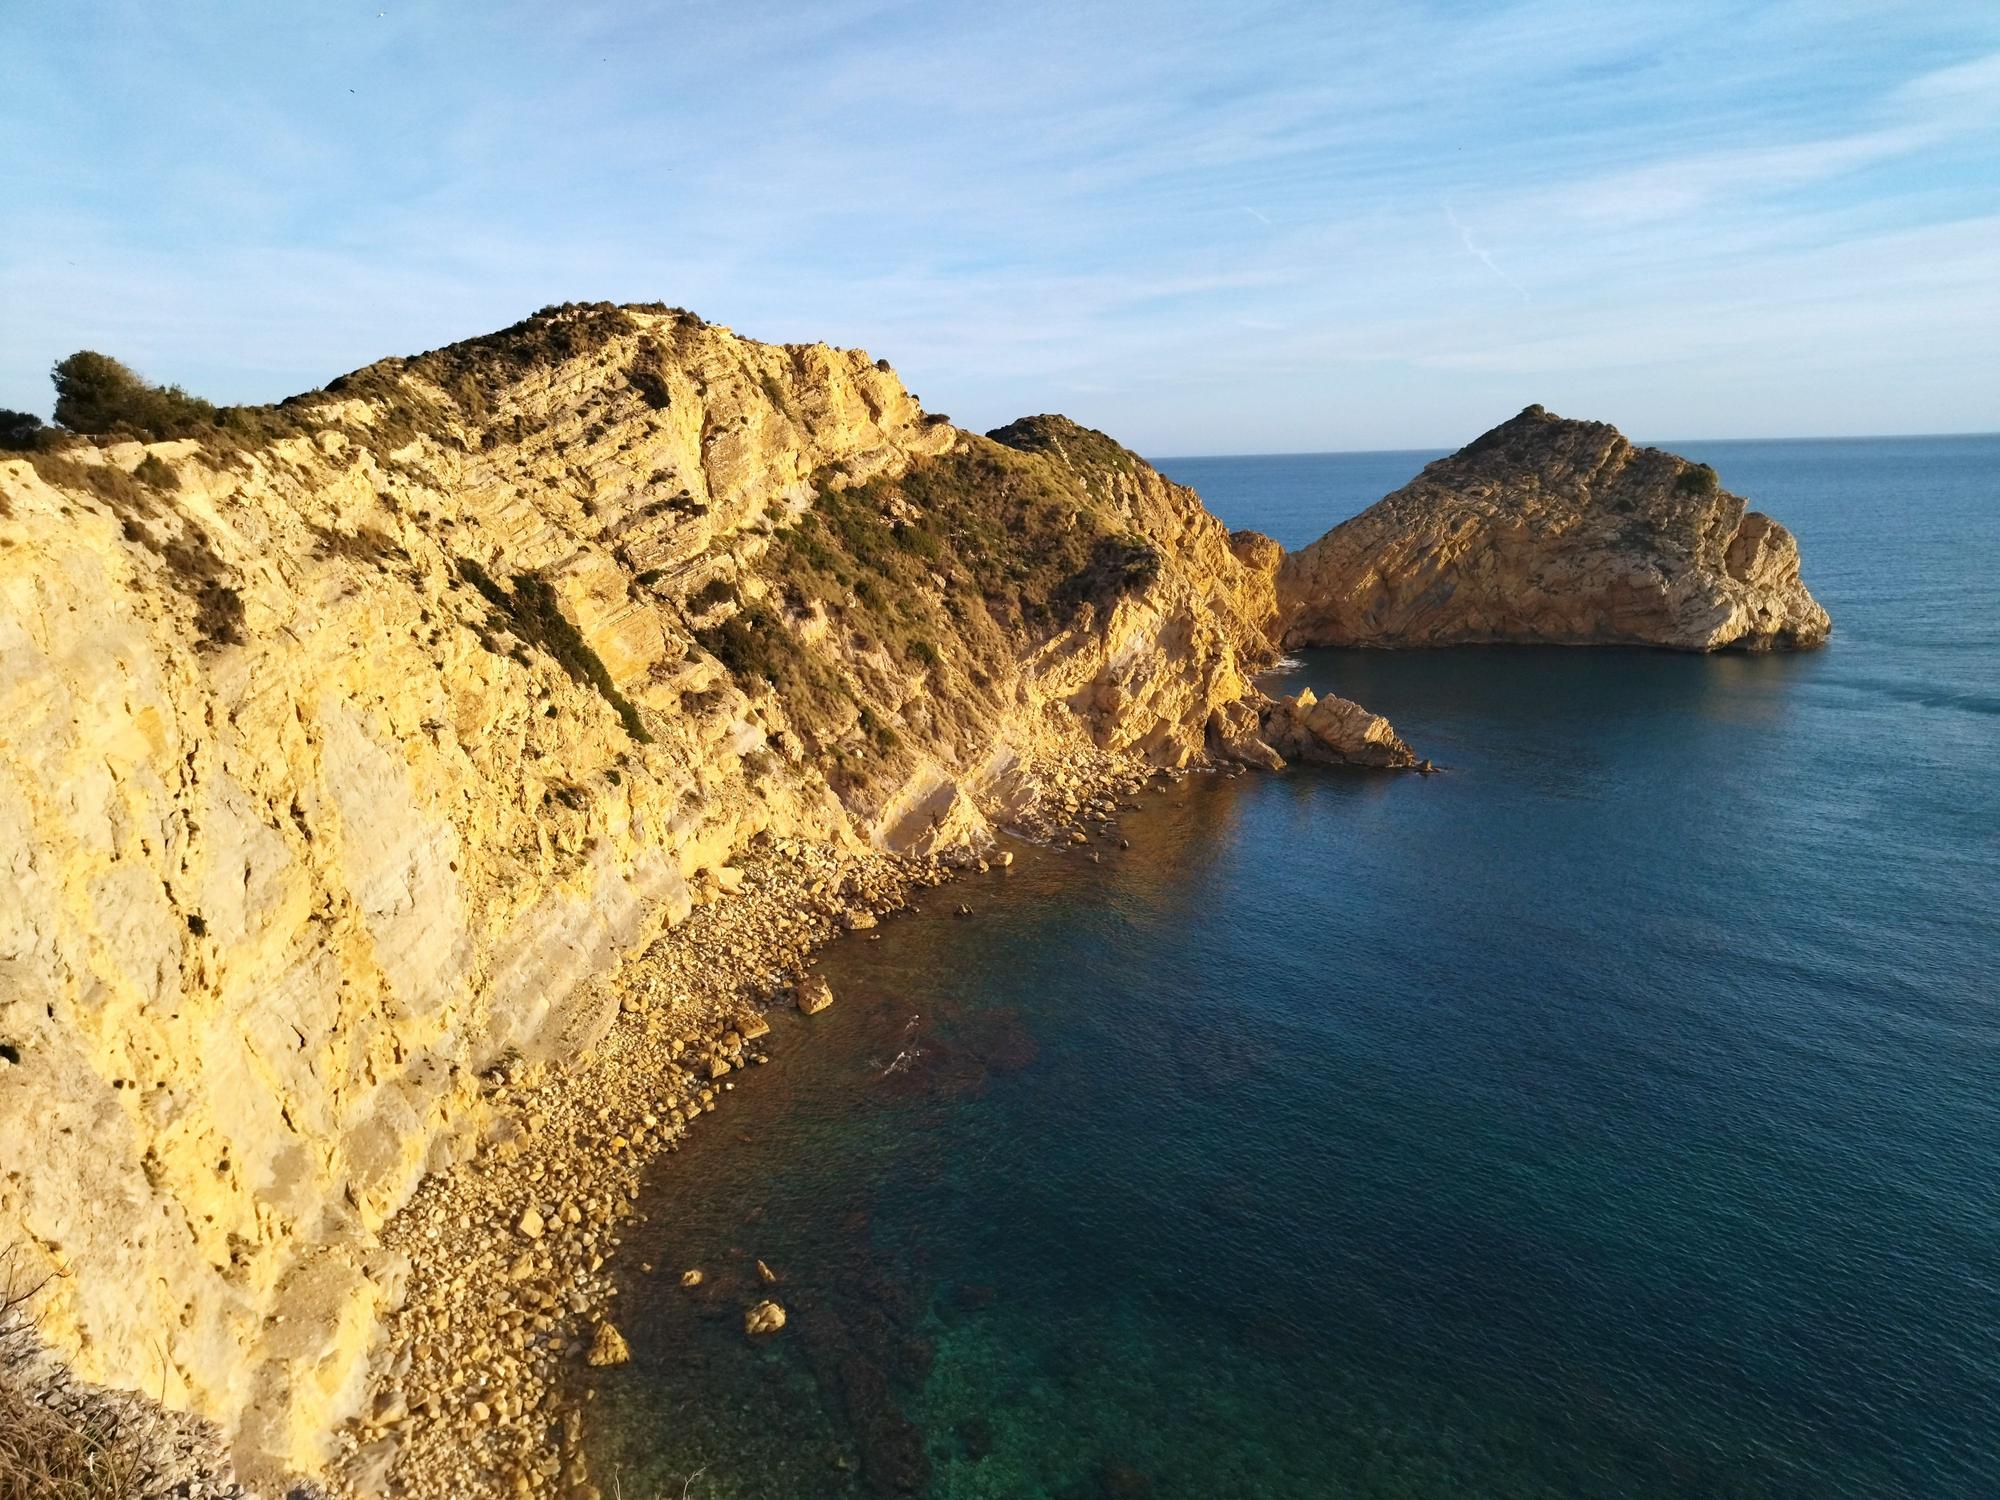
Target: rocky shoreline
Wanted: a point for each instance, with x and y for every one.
(339, 998)
(510, 1289)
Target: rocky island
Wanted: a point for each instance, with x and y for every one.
(1554, 532)
(414, 792)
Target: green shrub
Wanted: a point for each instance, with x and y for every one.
(124, 494)
(775, 392)
(1697, 479)
(154, 471)
(534, 613)
(918, 541)
(364, 544)
(1121, 564)
(759, 650)
(19, 430)
(192, 563)
(97, 394)
(716, 591)
(750, 644)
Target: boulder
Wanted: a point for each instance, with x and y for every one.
(607, 1347)
(1334, 731)
(1235, 733)
(765, 1317)
(813, 995)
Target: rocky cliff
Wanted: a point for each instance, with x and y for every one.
(345, 750)
(1558, 532)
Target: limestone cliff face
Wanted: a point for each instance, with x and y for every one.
(340, 760)
(1554, 532)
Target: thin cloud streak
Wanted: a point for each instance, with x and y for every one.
(1472, 249)
(1012, 228)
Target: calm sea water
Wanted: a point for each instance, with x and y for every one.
(1616, 1115)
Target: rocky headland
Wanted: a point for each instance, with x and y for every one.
(415, 792)
(1547, 531)
(354, 747)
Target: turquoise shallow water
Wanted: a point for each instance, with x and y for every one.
(1617, 1114)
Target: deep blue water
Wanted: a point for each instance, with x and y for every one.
(1615, 1115)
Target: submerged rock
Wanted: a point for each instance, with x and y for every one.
(1555, 532)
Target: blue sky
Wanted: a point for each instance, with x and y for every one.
(1226, 227)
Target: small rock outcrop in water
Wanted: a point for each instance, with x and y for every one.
(1333, 731)
(608, 1348)
(1556, 532)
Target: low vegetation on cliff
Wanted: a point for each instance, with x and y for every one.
(929, 584)
(390, 718)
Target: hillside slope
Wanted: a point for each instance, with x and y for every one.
(345, 752)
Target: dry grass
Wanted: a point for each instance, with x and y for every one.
(52, 1446)
(49, 1454)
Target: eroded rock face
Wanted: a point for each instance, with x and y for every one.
(342, 763)
(1333, 731)
(1556, 532)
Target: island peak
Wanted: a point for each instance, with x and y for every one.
(1551, 531)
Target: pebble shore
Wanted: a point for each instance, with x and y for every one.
(511, 1291)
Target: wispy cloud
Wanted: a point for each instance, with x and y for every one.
(1202, 226)
(1472, 249)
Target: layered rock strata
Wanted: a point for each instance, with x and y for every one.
(346, 754)
(1333, 731)
(1554, 532)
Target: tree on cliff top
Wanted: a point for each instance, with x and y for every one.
(98, 394)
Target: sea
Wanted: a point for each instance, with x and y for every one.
(1615, 1114)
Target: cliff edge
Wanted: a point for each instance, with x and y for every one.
(348, 745)
(1555, 532)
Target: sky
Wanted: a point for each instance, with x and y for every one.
(1205, 228)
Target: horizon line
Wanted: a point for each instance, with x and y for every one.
(1827, 437)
